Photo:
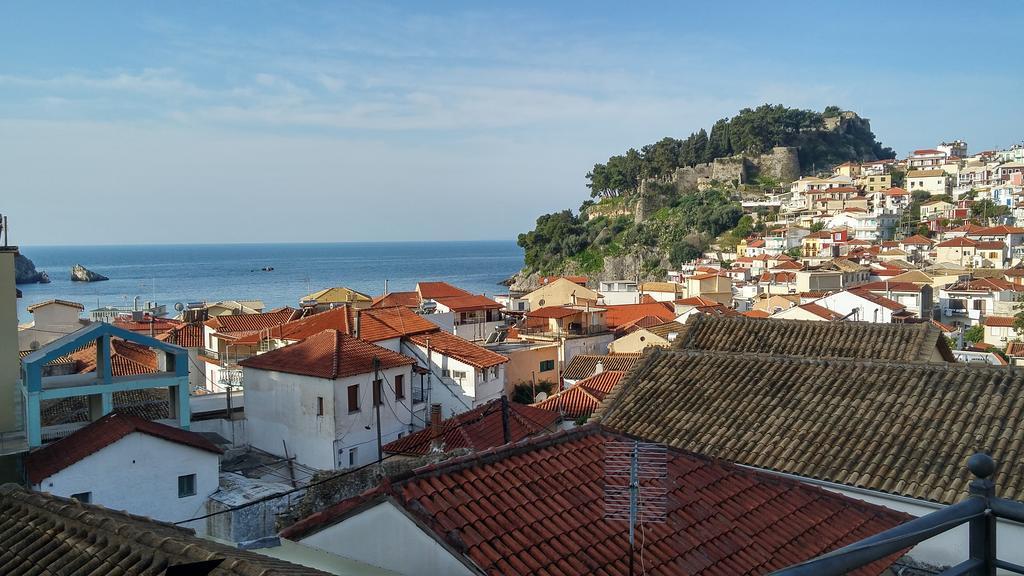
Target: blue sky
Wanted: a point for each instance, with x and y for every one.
(146, 122)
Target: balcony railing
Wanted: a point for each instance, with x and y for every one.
(571, 331)
(979, 510)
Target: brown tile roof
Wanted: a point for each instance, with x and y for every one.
(378, 324)
(460, 349)
(584, 365)
(665, 329)
(479, 429)
(468, 302)
(148, 325)
(901, 428)
(864, 340)
(820, 311)
(695, 301)
(583, 398)
(917, 239)
(407, 299)
(33, 307)
(552, 312)
(433, 290)
(146, 403)
(756, 314)
(329, 354)
(619, 314)
(45, 534)
(339, 318)
(1015, 348)
(537, 507)
(52, 458)
(645, 322)
(581, 280)
(126, 359)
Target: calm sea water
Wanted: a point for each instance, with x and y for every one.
(195, 272)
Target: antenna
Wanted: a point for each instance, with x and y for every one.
(627, 464)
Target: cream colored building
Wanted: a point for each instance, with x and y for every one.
(9, 361)
(662, 336)
(874, 182)
(561, 292)
(711, 286)
(934, 182)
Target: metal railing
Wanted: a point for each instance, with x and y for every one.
(979, 510)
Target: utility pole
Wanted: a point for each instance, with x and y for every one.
(379, 397)
(430, 374)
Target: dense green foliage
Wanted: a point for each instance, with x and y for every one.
(752, 131)
(523, 393)
(678, 229)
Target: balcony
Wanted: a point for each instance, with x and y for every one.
(980, 511)
(572, 331)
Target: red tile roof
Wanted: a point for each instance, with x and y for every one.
(990, 245)
(187, 336)
(149, 324)
(620, 314)
(407, 299)
(572, 403)
(581, 280)
(329, 354)
(1001, 230)
(339, 318)
(695, 301)
(895, 191)
(52, 458)
(469, 302)
(722, 519)
(458, 348)
(378, 324)
(33, 307)
(645, 322)
(756, 314)
(876, 299)
(126, 359)
(959, 242)
(433, 290)
(777, 277)
(788, 266)
(999, 321)
(882, 286)
(478, 429)
(601, 384)
(917, 239)
(821, 311)
(234, 323)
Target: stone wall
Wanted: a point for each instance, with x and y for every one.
(782, 164)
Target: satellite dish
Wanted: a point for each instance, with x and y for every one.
(179, 306)
(540, 397)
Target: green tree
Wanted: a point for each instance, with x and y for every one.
(988, 209)
(898, 178)
(975, 333)
(525, 392)
(817, 226)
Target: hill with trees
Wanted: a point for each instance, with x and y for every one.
(648, 211)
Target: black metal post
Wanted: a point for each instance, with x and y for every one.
(983, 529)
(378, 396)
(504, 420)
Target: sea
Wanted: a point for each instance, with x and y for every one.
(183, 273)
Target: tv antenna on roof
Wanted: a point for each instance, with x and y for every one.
(634, 489)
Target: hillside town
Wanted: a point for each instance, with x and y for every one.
(824, 382)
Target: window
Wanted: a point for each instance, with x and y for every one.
(400, 386)
(186, 485)
(376, 392)
(459, 374)
(446, 373)
(546, 365)
(353, 456)
(353, 398)
(83, 497)
(319, 405)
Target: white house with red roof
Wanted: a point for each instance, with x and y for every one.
(967, 302)
(859, 304)
(925, 158)
(126, 463)
(999, 331)
(320, 400)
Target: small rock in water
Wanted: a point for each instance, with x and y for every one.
(82, 274)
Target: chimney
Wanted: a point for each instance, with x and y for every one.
(599, 367)
(355, 323)
(436, 442)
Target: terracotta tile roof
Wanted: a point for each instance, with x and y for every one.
(336, 295)
(809, 338)
(469, 302)
(942, 327)
(434, 290)
(755, 314)
(45, 534)
(52, 458)
(329, 354)
(821, 311)
(33, 307)
(147, 403)
(917, 239)
(883, 286)
(126, 359)
(1001, 230)
(645, 322)
(663, 286)
(602, 384)
(407, 299)
(777, 277)
(339, 318)
(895, 191)
(234, 323)
(999, 321)
(990, 245)
(876, 299)
(759, 243)
(901, 428)
(722, 520)
(478, 429)
(665, 329)
(581, 280)
(585, 365)
(458, 348)
(378, 324)
(552, 312)
(572, 403)
(788, 266)
(981, 285)
(925, 173)
(1015, 348)
(186, 336)
(619, 314)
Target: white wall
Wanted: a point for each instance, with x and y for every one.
(281, 406)
(139, 474)
(471, 391)
(396, 418)
(588, 345)
(384, 536)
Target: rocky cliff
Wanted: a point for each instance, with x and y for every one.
(80, 273)
(25, 272)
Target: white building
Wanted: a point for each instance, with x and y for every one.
(864, 306)
(934, 182)
(50, 320)
(316, 400)
(127, 463)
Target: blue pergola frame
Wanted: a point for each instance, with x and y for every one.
(104, 384)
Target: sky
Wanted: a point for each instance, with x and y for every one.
(209, 122)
